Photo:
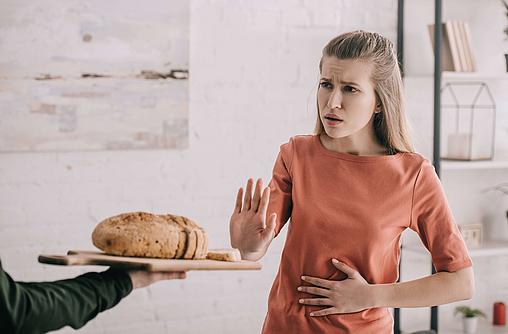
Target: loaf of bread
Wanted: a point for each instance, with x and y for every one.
(144, 234)
(224, 254)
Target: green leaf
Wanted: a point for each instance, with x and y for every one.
(468, 312)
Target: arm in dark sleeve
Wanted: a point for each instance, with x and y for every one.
(47, 306)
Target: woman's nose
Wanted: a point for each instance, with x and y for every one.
(335, 100)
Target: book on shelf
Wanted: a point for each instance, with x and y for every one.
(456, 50)
(465, 46)
(460, 45)
(467, 32)
(448, 62)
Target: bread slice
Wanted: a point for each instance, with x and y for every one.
(182, 236)
(196, 246)
(224, 254)
(138, 234)
(202, 239)
(203, 242)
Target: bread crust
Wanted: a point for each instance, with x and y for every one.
(137, 234)
(143, 234)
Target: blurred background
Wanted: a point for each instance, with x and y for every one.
(116, 106)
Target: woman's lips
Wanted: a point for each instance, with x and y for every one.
(332, 119)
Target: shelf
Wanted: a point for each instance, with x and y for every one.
(489, 248)
(469, 165)
(447, 76)
(474, 76)
(484, 327)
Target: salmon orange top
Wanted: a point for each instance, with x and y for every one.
(354, 209)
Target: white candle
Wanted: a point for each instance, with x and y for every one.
(459, 146)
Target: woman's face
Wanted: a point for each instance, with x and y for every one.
(346, 98)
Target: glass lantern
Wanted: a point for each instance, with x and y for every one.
(468, 120)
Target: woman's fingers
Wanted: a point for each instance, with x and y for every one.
(265, 199)
(316, 301)
(319, 282)
(350, 272)
(248, 196)
(270, 225)
(257, 195)
(315, 291)
(250, 201)
(238, 204)
(320, 302)
(326, 311)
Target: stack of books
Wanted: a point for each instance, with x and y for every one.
(457, 48)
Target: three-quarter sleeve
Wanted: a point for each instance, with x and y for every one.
(432, 219)
(281, 186)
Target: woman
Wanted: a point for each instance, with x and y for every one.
(350, 191)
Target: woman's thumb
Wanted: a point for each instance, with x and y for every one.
(271, 223)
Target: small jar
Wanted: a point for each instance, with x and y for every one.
(499, 314)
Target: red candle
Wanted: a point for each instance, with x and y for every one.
(499, 314)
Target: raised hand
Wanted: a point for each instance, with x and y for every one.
(348, 296)
(249, 229)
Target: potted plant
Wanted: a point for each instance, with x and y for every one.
(469, 318)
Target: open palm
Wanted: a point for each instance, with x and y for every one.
(249, 229)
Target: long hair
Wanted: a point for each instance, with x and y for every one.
(390, 125)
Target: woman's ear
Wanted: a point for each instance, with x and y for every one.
(379, 106)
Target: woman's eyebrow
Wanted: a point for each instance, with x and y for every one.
(344, 82)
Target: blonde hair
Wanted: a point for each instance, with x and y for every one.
(390, 125)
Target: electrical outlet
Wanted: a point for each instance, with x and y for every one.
(472, 235)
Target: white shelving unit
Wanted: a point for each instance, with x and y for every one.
(489, 248)
(418, 81)
(473, 76)
(473, 165)
(446, 76)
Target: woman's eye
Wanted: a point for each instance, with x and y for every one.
(349, 89)
(325, 84)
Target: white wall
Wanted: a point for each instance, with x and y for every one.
(253, 71)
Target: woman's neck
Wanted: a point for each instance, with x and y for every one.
(354, 146)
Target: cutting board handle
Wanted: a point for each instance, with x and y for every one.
(63, 260)
(76, 258)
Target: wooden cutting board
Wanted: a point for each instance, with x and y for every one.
(84, 258)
